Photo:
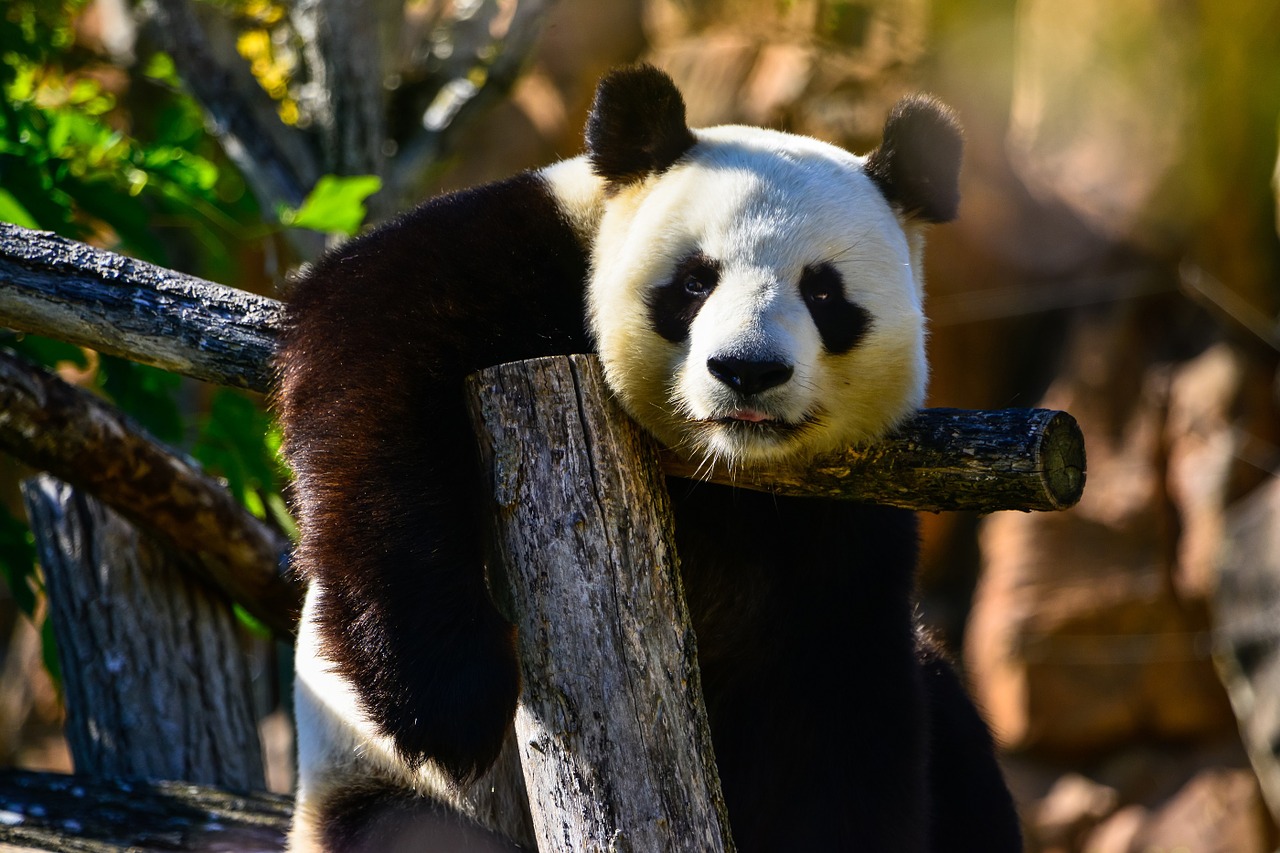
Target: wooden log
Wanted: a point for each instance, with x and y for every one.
(612, 731)
(942, 459)
(156, 680)
(85, 441)
(86, 814)
(120, 306)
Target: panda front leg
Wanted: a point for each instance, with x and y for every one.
(355, 794)
(379, 338)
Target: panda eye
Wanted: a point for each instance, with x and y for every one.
(820, 284)
(697, 276)
(674, 304)
(699, 282)
(840, 323)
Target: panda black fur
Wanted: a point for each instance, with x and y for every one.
(753, 295)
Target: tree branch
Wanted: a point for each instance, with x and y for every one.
(121, 606)
(95, 815)
(461, 99)
(1024, 459)
(346, 46)
(62, 289)
(279, 162)
(612, 728)
(87, 442)
(941, 459)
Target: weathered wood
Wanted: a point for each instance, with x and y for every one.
(83, 814)
(83, 440)
(156, 680)
(62, 289)
(942, 459)
(612, 732)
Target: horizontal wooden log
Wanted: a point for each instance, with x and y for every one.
(944, 459)
(51, 811)
(81, 439)
(62, 289)
(941, 459)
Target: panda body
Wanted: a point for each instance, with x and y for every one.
(754, 296)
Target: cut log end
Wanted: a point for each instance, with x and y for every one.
(1062, 451)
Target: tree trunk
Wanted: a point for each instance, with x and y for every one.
(611, 726)
(156, 681)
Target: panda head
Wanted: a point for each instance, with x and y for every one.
(757, 296)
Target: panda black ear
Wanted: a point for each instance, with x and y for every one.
(637, 125)
(917, 166)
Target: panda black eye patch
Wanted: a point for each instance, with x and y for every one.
(840, 322)
(674, 305)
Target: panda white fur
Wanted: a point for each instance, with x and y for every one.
(753, 295)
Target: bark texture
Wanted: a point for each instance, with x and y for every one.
(81, 814)
(156, 681)
(612, 731)
(66, 290)
(941, 459)
(58, 428)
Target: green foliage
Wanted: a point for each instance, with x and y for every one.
(121, 158)
(335, 205)
(69, 164)
(238, 442)
(17, 558)
(146, 393)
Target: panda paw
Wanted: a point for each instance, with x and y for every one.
(448, 704)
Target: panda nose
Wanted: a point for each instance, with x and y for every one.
(749, 377)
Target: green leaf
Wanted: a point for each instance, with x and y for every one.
(17, 560)
(335, 205)
(11, 210)
(46, 351)
(233, 443)
(146, 393)
(160, 67)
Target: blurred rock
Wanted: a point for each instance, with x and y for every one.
(1087, 73)
(1073, 807)
(1082, 635)
(1219, 811)
(1116, 834)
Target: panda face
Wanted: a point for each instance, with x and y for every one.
(759, 300)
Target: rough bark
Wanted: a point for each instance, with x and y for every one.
(56, 427)
(82, 814)
(156, 681)
(62, 289)
(612, 731)
(942, 459)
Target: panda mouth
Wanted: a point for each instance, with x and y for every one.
(754, 420)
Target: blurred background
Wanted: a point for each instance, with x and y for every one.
(1116, 256)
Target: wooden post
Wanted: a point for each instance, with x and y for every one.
(611, 727)
(156, 680)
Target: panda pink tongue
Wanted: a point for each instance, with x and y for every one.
(750, 415)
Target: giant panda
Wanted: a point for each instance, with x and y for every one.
(754, 296)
